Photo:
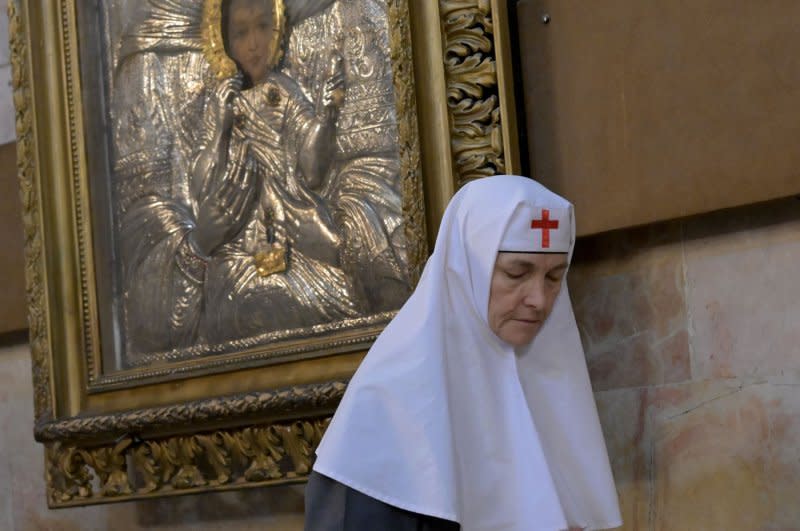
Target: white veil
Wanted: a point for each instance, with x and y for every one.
(445, 419)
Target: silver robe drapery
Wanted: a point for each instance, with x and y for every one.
(272, 131)
(347, 248)
(157, 112)
(364, 188)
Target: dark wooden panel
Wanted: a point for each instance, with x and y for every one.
(644, 111)
(13, 309)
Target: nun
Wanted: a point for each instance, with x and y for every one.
(473, 410)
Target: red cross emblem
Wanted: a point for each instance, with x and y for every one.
(545, 224)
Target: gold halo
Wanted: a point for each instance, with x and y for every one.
(214, 47)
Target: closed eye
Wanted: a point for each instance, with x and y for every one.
(556, 274)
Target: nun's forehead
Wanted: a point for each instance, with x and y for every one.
(517, 214)
(538, 229)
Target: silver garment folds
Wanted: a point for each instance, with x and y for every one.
(320, 236)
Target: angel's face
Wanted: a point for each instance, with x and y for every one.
(249, 36)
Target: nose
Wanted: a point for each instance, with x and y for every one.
(534, 295)
(252, 41)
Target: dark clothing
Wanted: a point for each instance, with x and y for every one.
(332, 506)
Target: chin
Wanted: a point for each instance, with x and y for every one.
(521, 342)
(519, 339)
(521, 335)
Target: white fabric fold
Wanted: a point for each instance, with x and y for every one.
(443, 418)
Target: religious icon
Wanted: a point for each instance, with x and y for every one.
(223, 207)
(256, 166)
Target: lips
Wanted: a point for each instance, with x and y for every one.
(254, 61)
(528, 321)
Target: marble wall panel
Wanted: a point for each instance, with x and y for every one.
(709, 465)
(8, 130)
(717, 449)
(708, 455)
(9, 369)
(7, 126)
(743, 292)
(783, 445)
(623, 416)
(628, 294)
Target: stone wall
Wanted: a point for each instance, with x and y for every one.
(693, 344)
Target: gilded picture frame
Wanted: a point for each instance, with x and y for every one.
(250, 416)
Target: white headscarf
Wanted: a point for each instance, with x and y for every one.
(445, 419)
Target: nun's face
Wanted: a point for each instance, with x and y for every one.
(522, 293)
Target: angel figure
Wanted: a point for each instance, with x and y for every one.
(222, 233)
